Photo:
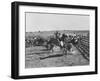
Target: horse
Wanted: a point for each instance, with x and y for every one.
(62, 42)
(28, 42)
(51, 43)
(74, 40)
(38, 41)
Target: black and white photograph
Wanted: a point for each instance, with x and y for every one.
(56, 40)
(50, 40)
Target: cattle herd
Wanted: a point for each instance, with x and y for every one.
(62, 40)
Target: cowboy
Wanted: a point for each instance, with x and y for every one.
(63, 37)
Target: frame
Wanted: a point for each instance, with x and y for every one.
(33, 21)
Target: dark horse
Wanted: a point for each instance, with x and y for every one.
(39, 41)
(51, 43)
(59, 41)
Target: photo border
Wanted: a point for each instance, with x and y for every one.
(15, 39)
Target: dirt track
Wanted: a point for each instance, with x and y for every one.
(39, 57)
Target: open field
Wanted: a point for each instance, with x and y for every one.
(38, 56)
(45, 34)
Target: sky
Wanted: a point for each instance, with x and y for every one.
(48, 22)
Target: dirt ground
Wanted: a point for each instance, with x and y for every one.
(38, 56)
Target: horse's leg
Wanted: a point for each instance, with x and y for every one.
(70, 48)
(48, 47)
(52, 48)
(65, 51)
